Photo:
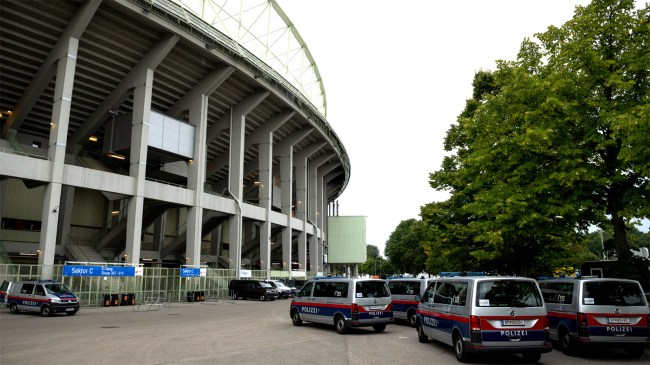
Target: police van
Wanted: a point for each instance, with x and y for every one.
(4, 289)
(405, 294)
(344, 303)
(44, 296)
(485, 314)
(597, 311)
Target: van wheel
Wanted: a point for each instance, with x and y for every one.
(234, 295)
(379, 327)
(410, 316)
(532, 356)
(459, 349)
(635, 351)
(13, 308)
(295, 318)
(421, 336)
(341, 326)
(46, 311)
(262, 297)
(566, 342)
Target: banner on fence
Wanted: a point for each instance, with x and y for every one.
(190, 272)
(74, 270)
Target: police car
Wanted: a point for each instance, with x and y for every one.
(344, 303)
(485, 314)
(44, 296)
(597, 311)
(405, 294)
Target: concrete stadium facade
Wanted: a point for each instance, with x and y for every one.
(135, 132)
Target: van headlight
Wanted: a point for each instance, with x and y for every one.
(56, 300)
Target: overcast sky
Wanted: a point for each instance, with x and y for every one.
(396, 75)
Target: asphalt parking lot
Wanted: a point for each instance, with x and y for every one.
(228, 332)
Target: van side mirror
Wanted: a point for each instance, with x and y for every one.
(418, 298)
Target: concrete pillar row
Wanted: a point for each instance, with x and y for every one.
(196, 179)
(235, 188)
(138, 168)
(56, 155)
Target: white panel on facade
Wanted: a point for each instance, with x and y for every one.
(170, 135)
(186, 140)
(156, 125)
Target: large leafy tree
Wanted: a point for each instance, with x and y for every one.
(556, 141)
(405, 248)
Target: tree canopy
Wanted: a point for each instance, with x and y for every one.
(549, 145)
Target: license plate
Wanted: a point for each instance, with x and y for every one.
(618, 320)
(69, 309)
(513, 322)
(374, 307)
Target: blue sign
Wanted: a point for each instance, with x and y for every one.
(73, 270)
(187, 272)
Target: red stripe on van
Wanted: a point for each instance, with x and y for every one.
(562, 314)
(10, 297)
(327, 305)
(451, 317)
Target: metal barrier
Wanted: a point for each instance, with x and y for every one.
(146, 289)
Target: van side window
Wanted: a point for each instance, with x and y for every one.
(451, 293)
(560, 293)
(306, 290)
(27, 289)
(428, 293)
(40, 290)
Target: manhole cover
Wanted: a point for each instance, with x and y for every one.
(111, 327)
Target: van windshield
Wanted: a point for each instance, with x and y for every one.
(508, 293)
(372, 289)
(621, 293)
(58, 288)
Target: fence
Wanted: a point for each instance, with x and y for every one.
(154, 283)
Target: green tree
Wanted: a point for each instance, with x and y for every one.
(404, 247)
(372, 251)
(556, 141)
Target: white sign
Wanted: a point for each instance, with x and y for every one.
(298, 273)
(245, 273)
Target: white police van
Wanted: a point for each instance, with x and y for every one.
(597, 311)
(485, 314)
(344, 303)
(405, 294)
(44, 296)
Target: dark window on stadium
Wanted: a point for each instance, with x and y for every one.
(21, 224)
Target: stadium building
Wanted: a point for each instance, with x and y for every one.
(161, 134)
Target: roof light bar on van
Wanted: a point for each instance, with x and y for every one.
(461, 273)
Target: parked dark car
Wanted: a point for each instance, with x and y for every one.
(240, 288)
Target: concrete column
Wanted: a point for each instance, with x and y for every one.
(63, 229)
(301, 209)
(286, 182)
(56, 155)
(3, 196)
(265, 195)
(235, 180)
(196, 180)
(138, 169)
(159, 232)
